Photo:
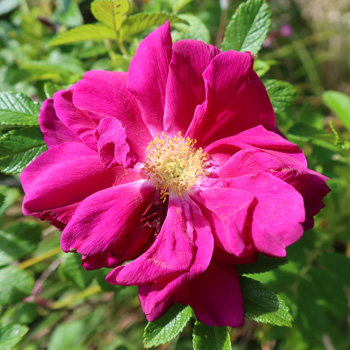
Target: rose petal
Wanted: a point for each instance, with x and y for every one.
(53, 129)
(184, 244)
(185, 86)
(279, 214)
(250, 161)
(236, 100)
(104, 218)
(216, 296)
(75, 119)
(228, 212)
(132, 245)
(158, 309)
(112, 144)
(316, 190)
(104, 94)
(260, 138)
(64, 152)
(148, 74)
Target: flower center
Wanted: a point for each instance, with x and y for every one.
(174, 164)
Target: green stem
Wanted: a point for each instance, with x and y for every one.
(32, 261)
(107, 44)
(83, 295)
(123, 49)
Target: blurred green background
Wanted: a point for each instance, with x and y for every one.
(48, 299)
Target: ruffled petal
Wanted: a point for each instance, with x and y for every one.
(250, 161)
(236, 100)
(228, 211)
(259, 138)
(104, 218)
(216, 296)
(148, 74)
(157, 297)
(158, 308)
(76, 120)
(59, 179)
(63, 182)
(279, 213)
(132, 245)
(182, 249)
(112, 144)
(317, 189)
(185, 86)
(105, 95)
(53, 129)
(64, 152)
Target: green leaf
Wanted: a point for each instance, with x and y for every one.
(144, 20)
(307, 133)
(195, 29)
(210, 338)
(338, 264)
(332, 292)
(15, 284)
(112, 13)
(339, 104)
(311, 319)
(76, 334)
(10, 194)
(261, 67)
(85, 32)
(167, 327)
(72, 271)
(25, 313)
(11, 335)
(263, 305)
(17, 109)
(263, 264)
(67, 336)
(248, 27)
(281, 94)
(177, 5)
(50, 89)
(18, 240)
(19, 147)
(2, 200)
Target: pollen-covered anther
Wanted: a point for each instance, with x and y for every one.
(175, 164)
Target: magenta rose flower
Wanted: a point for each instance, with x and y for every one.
(176, 166)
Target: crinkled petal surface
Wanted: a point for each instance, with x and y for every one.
(105, 95)
(216, 296)
(63, 175)
(236, 100)
(185, 85)
(104, 218)
(53, 129)
(174, 252)
(279, 213)
(228, 212)
(148, 74)
(112, 144)
(74, 118)
(260, 138)
(130, 247)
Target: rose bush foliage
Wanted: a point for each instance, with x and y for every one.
(178, 166)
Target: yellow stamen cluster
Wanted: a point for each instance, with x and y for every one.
(174, 164)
